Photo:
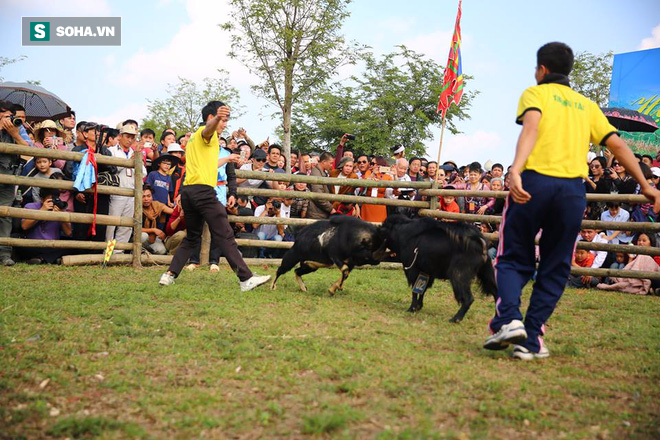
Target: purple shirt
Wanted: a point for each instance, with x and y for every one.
(43, 230)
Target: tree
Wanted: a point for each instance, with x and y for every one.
(182, 109)
(293, 46)
(591, 76)
(393, 101)
(6, 61)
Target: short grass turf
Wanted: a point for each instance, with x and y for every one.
(106, 353)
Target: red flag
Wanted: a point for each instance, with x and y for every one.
(452, 85)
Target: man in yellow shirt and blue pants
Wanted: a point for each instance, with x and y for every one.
(547, 192)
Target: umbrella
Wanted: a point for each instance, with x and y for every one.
(39, 103)
(630, 120)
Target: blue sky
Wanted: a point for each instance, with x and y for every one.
(163, 39)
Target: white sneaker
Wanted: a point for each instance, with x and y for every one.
(166, 279)
(511, 333)
(191, 267)
(214, 268)
(520, 352)
(253, 282)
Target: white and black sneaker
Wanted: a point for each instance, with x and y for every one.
(511, 333)
(254, 282)
(520, 352)
(166, 279)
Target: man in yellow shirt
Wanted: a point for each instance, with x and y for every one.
(200, 203)
(546, 192)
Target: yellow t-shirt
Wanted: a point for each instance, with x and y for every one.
(569, 122)
(202, 160)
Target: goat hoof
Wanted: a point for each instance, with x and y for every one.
(273, 286)
(455, 320)
(411, 309)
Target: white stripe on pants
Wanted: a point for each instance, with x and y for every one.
(124, 207)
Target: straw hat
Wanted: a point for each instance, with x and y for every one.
(47, 124)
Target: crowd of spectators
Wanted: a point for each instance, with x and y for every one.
(164, 172)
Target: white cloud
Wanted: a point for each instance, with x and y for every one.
(653, 41)
(465, 148)
(70, 8)
(195, 51)
(133, 110)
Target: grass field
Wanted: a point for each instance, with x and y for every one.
(93, 353)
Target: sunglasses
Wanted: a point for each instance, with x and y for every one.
(615, 164)
(260, 160)
(362, 161)
(595, 166)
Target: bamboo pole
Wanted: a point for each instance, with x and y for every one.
(433, 202)
(38, 214)
(136, 222)
(264, 243)
(61, 154)
(442, 135)
(586, 224)
(625, 248)
(621, 198)
(6, 179)
(331, 197)
(60, 244)
(360, 183)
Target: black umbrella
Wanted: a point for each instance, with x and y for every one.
(630, 120)
(39, 103)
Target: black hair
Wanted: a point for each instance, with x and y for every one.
(474, 167)
(147, 187)
(243, 198)
(130, 121)
(497, 165)
(415, 158)
(17, 107)
(6, 106)
(557, 57)
(650, 235)
(112, 132)
(325, 156)
(178, 140)
(296, 152)
(601, 160)
(430, 162)
(363, 155)
(166, 133)
(57, 176)
(612, 204)
(148, 131)
(211, 109)
(80, 124)
(276, 146)
(648, 156)
(646, 170)
(45, 192)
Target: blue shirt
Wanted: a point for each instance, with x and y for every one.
(161, 185)
(221, 190)
(23, 132)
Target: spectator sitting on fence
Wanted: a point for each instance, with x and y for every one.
(637, 262)
(268, 232)
(160, 180)
(345, 171)
(591, 236)
(45, 230)
(153, 235)
(321, 209)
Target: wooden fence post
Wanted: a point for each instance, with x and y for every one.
(137, 213)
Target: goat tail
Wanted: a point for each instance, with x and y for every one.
(486, 277)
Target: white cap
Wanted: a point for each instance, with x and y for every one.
(174, 148)
(655, 171)
(590, 156)
(488, 165)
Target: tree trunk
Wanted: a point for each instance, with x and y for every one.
(286, 116)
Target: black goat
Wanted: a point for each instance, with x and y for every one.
(429, 249)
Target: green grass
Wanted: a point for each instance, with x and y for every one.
(127, 359)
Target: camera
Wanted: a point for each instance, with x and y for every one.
(16, 121)
(350, 137)
(59, 203)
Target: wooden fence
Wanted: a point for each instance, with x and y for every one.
(425, 207)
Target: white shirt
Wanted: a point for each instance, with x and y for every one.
(250, 183)
(621, 216)
(599, 255)
(126, 176)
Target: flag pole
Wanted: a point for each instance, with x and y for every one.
(442, 134)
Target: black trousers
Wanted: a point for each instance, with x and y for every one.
(200, 204)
